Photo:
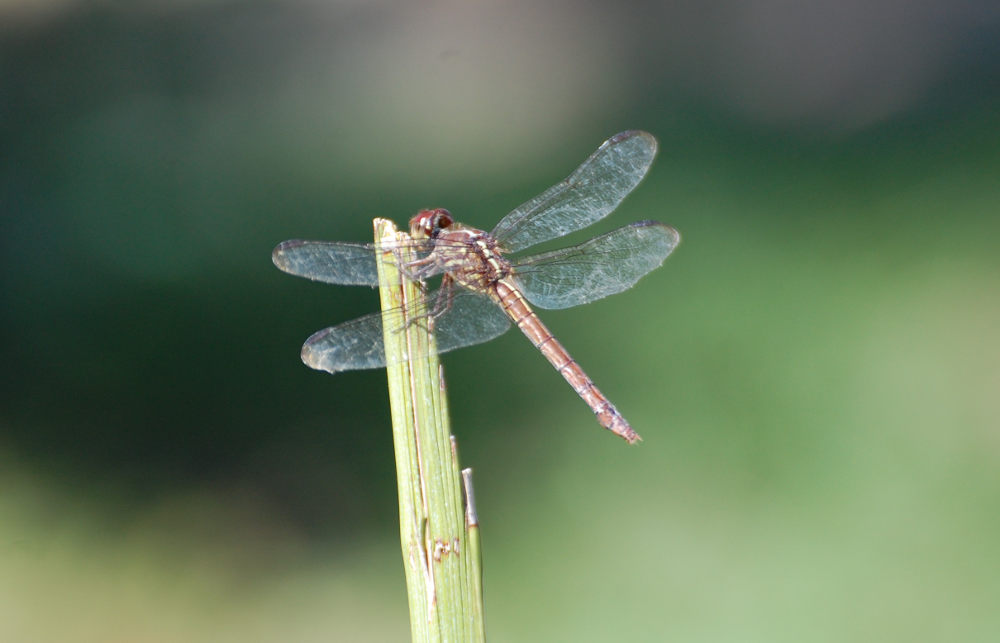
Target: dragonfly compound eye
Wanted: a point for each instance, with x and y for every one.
(442, 219)
(428, 223)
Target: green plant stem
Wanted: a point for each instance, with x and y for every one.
(444, 591)
(474, 559)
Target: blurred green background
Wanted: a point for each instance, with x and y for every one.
(816, 371)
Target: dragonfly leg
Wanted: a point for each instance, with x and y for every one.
(445, 297)
(418, 269)
(442, 304)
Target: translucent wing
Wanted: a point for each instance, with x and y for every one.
(586, 196)
(345, 264)
(358, 344)
(349, 264)
(603, 266)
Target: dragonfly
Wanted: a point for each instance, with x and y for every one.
(484, 290)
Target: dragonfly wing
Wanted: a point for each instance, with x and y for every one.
(588, 195)
(358, 344)
(471, 319)
(351, 346)
(348, 264)
(603, 266)
(345, 264)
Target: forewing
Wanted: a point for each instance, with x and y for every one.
(346, 264)
(586, 196)
(603, 266)
(358, 344)
(349, 264)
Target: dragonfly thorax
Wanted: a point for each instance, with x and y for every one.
(470, 257)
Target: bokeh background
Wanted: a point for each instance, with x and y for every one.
(816, 371)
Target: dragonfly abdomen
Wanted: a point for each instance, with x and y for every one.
(520, 312)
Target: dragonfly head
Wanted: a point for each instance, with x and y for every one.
(428, 223)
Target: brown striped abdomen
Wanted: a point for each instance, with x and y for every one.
(517, 308)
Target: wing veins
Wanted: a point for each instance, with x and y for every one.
(587, 195)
